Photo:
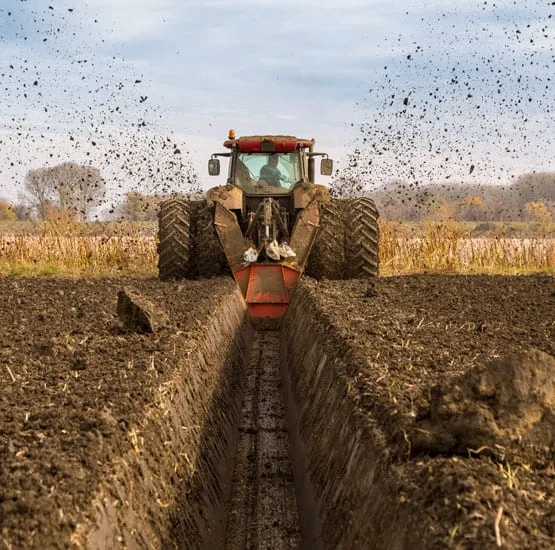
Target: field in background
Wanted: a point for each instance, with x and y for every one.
(78, 249)
(129, 248)
(467, 247)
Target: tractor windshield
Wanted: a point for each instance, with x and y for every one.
(267, 173)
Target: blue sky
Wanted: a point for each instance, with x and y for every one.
(422, 89)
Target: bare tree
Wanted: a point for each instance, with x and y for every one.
(23, 211)
(72, 187)
(39, 190)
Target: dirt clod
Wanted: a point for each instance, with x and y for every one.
(138, 313)
(509, 400)
(79, 363)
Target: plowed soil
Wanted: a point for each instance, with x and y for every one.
(72, 383)
(457, 373)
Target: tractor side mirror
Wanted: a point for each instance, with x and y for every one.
(214, 167)
(326, 167)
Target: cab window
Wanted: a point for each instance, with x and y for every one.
(267, 172)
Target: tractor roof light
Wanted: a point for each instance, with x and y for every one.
(267, 144)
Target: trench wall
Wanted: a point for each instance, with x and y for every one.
(171, 489)
(344, 476)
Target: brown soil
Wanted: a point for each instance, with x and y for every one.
(456, 376)
(420, 413)
(74, 387)
(263, 511)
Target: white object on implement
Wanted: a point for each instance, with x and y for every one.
(285, 251)
(250, 255)
(272, 250)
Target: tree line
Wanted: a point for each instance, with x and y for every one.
(529, 197)
(75, 191)
(68, 189)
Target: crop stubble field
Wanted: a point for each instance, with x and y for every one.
(126, 248)
(467, 456)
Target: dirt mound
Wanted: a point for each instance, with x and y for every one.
(508, 402)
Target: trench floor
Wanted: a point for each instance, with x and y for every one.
(262, 509)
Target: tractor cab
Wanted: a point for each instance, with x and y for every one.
(269, 165)
(268, 173)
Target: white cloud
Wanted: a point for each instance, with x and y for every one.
(129, 20)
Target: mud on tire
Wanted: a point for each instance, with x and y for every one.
(327, 257)
(362, 237)
(174, 242)
(207, 256)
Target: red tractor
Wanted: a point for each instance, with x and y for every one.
(270, 223)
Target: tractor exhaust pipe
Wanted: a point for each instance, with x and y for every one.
(311, 166)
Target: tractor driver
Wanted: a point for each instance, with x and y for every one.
(271, 173)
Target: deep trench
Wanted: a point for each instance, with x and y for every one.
(260, 447)
(260, 440)
(262, 509)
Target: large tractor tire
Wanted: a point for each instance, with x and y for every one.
(361, 239)
(174, 241)
(208, 257)
(327, 257)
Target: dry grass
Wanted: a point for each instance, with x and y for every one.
(451, 248)
(79, 250)
(92, 250)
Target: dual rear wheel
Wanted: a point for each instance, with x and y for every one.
(188, 245)
(347, 245)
